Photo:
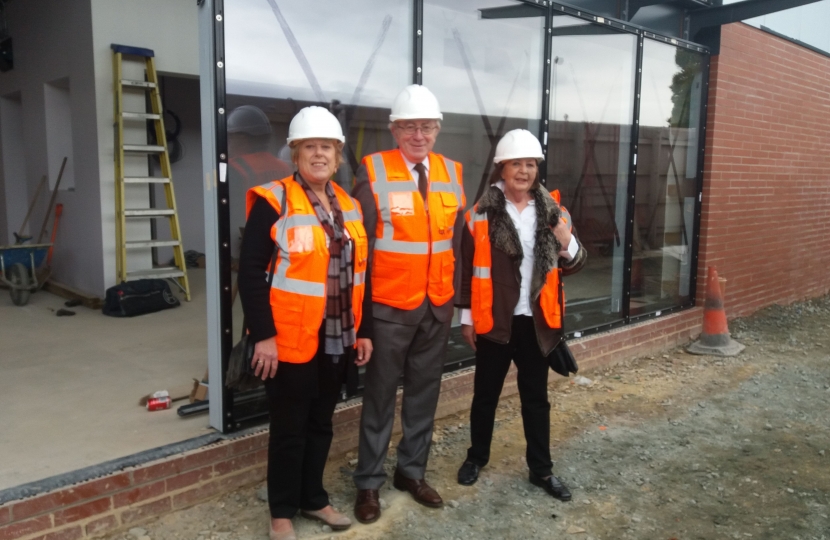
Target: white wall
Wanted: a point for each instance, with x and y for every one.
(169, 28)
(53, 41)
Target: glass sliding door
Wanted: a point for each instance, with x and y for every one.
(483, 60)
(667, 176)
(589, 144)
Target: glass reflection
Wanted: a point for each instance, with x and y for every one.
(485, 67)
(666, 187)
(283, 55)
(591, 111)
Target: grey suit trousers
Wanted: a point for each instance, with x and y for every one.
(415, 352)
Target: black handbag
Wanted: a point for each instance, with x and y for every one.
(562, 360)
(240, 374)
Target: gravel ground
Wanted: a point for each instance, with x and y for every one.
(672, 446)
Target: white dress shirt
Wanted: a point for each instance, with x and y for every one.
(525, 223)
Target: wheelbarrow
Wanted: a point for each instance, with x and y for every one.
(23, 271)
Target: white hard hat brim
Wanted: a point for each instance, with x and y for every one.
(396, 117)
(304, 137)
(499, 159)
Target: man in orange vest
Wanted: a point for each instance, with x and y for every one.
(413, 202)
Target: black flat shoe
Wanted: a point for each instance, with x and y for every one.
(468, 473)
(553, 486)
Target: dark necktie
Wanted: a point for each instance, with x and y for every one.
(422, 180)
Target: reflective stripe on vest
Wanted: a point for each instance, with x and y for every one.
(298, 291)
(413, 247)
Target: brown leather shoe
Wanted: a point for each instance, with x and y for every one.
(419, 489)
(367, 506)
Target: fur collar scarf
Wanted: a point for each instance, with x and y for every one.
(504, 236)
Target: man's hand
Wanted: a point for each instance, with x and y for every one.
(364, 351)
(469, 335)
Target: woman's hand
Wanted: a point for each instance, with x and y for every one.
(469, 335)
(562, 232)
(364, 351)
(264, 361)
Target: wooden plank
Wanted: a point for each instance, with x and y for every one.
(65, 291)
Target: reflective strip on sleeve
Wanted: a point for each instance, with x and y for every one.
(481, 272)
(440, 246)
(397, 246)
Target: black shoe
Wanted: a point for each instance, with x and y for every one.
(553, 486)
(468, 473)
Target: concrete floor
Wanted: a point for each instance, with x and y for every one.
(70, 386)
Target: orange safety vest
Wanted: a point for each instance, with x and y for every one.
(298, 291)
(413, 254)
(552, 298)
(259, 168)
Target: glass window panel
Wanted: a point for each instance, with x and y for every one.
(666, 189)
(591, 111)
(282, 55)
(485, 67)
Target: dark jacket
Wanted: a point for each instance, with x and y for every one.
(506, 256)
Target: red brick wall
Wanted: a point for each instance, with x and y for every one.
(766, 195)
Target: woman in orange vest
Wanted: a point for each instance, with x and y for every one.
(517, 244)
(302, 281)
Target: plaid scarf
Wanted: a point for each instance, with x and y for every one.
(339, 316)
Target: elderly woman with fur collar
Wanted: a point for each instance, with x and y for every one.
(517, 244)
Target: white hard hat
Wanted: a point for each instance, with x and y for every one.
(415, 102)
(314, 123)
(517, 144)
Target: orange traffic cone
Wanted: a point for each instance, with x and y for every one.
(715, 339)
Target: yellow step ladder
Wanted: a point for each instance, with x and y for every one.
(177, 272)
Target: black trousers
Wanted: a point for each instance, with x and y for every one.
(492, 362)
(301, 400)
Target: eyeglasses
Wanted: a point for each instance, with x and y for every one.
(410, 129)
